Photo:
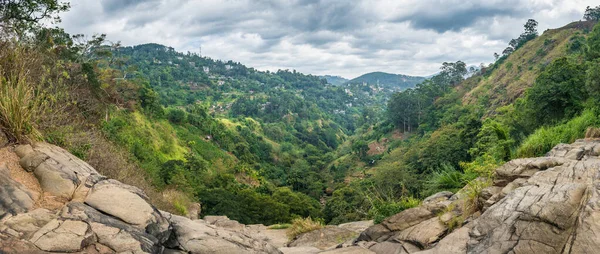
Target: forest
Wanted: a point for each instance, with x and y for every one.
(187, 128)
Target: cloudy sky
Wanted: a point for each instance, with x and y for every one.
(337, 37)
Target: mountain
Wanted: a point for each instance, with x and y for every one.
(335, 80)
(396, 82)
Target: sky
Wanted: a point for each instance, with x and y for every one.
(325, 37)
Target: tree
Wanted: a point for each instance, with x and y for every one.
(558, 92)
(496, 56)
(531, 27)
(22, 15)
(592, 14)
(592, 50)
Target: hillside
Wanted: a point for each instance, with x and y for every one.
(335, 80)
(107, 148)
(394, 82)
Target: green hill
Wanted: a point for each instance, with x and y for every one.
(395, 82)
(335, 80)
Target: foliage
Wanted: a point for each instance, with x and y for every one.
(592, 13)
(20, 96)
(543, 139)
(21, 15)
(381, 209)
(303, 225)
(558, 92)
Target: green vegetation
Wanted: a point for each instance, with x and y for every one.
(272, 147)
(303, 225)
(394, 82)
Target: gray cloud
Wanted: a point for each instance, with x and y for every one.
(337, 37)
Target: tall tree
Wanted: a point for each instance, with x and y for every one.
(22, 15)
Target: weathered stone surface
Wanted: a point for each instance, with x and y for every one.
(388, 248)
(200, 237)
(27, 223)
(423, 234)
(438, 197)
(554, 211)
(300, 250)
(357, 226)
(324, 238)
(115, 233)
(14, 197)
(376, 232)
(113, 198)
(58, 171)
(63, 236)
(455, 242)
(350, 250)
(224, 222)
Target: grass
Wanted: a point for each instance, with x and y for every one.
(303, 225)
(20, 101)
(545, 138)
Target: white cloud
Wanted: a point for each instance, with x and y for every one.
(337, 37)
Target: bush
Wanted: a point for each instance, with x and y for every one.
(545, 138)
(381, 210)
(300, 226)
(20, 99)
(446, 178)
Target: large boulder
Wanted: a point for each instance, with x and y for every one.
(199, 237)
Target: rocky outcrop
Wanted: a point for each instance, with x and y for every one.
(537, 205)
(325, 238)
(99, 215)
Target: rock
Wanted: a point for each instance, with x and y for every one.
(15, 245)
(423, 234)
(200, 237)
(32, 160)
(299, 250)
(438, 197)
(224, 222)
(28, 223)
(376, 232)
(455, 242)
(554, 210)
(388, 248)
(325, 238)
(124, 202)
(58, 171)
(351, 250)
(115, 233)
(63, 236)
(53, 182)
(357, 226)
(14, 197)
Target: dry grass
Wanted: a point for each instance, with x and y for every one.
(20, 94)
(592, 132)
(300, 226)
(519, 70)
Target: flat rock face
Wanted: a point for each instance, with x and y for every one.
(357, 226)
(324, 238)
(117, 201)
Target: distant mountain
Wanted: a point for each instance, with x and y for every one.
(335, 80)
(388, 80)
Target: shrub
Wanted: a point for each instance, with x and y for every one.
(381, 210)
(20, 99)
(300, 226)
(545, 138)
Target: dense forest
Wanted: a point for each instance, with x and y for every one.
(187, 128)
